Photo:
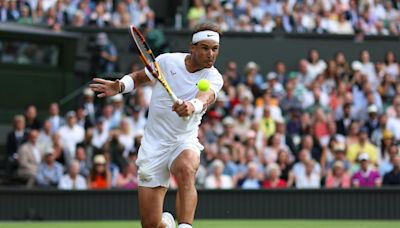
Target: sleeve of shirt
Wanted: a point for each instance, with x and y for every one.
(160, 59)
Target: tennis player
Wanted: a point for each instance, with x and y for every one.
(170, 143)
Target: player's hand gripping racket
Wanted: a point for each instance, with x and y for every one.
(149, 61)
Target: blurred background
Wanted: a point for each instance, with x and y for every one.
(310, 107)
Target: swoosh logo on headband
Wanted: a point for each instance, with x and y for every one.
(208, 35)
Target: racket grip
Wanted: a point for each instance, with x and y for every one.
(179, 101)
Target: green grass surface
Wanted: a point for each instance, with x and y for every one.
(216, 223)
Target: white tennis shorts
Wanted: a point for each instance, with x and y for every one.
(154, 161)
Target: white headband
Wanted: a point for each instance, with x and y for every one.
(205, 35)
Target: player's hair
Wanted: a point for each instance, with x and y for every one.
(207, 26)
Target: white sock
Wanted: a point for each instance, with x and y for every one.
(184, 226)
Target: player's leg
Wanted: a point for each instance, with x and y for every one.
(151, 202)
(184, 168)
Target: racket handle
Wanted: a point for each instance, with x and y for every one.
(179, 101)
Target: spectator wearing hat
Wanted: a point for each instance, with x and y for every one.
(100, 176)
(252, 70)
(366, 176)
(88, 105)
(276, 87)
(117, 101)
(218, 180)
(73, 180)
(49, 171)
(273, 179)
(337, 177)
(392, 178)
(71, 134)
(339, 154)
(372, 122)
(386, 142)
(29, 157)
(56, 121)
(228, 136)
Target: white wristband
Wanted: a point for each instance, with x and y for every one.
(198, 105)
(129, 84)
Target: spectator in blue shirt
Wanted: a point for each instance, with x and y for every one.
(49, 171)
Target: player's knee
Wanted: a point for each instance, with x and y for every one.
(186, 173)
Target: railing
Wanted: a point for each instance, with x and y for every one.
(384, 203)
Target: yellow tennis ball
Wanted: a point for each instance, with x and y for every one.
(203, 85)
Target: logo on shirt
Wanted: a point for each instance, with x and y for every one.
(173, 73)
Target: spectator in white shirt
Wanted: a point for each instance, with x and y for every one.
(308, 179)
(56, 121)
(137, 120)
(100, 135)
(71, 134)
(342, 26)
(393, 123)
(217, 180)
(72, 180)
(88, 105)
(45, 135)
(315, 65)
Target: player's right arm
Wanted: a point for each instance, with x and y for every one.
(107, 88)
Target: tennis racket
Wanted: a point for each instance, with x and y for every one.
(149, 61)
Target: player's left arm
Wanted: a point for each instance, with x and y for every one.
(207, 98)
(187, 108)
(201, 101)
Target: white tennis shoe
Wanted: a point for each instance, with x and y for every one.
(168, 220)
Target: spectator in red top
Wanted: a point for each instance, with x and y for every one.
(273, 177)
(99, 177)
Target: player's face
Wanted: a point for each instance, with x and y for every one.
(205, 53)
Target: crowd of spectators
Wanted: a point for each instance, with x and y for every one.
(329, 123)
(97, 13)
(370, 17)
